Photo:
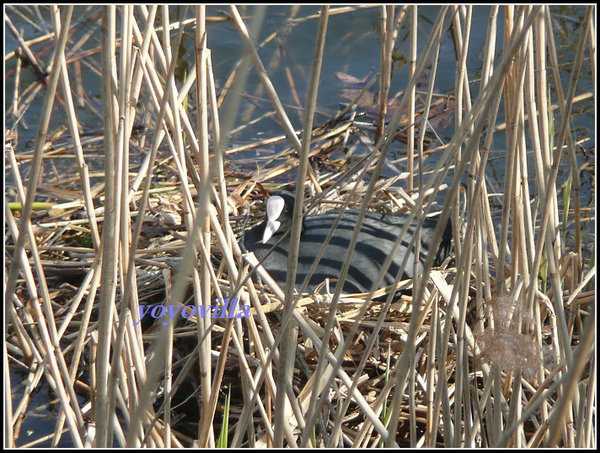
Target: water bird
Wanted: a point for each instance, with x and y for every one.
(378, 233)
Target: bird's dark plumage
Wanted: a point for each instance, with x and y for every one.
(376, 239)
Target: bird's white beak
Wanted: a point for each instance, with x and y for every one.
(275, 206)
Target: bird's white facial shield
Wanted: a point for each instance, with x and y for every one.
(275, 206)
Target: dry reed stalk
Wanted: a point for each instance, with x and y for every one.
(178, 286)
(83, 168)
(15, 102)
(292, 335)
(119, 386)
(464, 128)
(281, 384)
(28, 54)
(31, 92)
(571, 154)
(410, 149)
(288, 434)
(36, 168)
(222, 142)
(275, 35)
(387, 46)
(281, 35)
(556, 284)
(204, 288)
(513, 207)
(56, 365)
(110, 233)
(394, 121)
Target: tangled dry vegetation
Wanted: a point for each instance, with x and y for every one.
(494, 348)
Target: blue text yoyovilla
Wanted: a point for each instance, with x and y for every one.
(187, 311)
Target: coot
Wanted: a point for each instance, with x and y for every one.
(375, 241)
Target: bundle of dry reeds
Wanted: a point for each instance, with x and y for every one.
(496, 348)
